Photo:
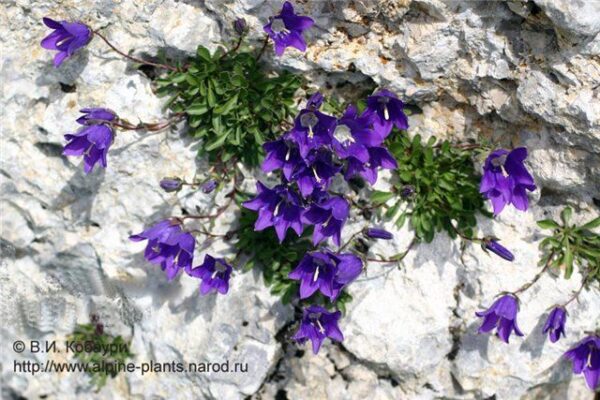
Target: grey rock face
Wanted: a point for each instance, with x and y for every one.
(512, 72)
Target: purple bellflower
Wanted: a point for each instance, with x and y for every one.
(586, 359)
(375, 233)
(281, 154)
(386, 111)
(379, 157)
(94, 116)
(327, 272)
(503, 315)
(168, 246)
(353, 135)
(312, 128)
(214, 273)
(67, 38)
(555, 324)
(93, 140)
(286, 29)
(316, 172)
(316, 325)
(496, 248)
(329, 216)
(505, 179)
(279, 207)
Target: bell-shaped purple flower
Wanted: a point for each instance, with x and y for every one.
(312, 128)
(316, 325)
(585, 357)
(67, 38)
(502, 315)
(328, 216)
(286, 29)
(168, 246)
(92, 142)
(316, 172)
(279, 207)
(214, 273)
(171, 184)
(379, 158)
(353, 136)
(281, 154)
(496, 248)
(555, 324)
(505, 179)
(315, 101)
(386, 110)
(326, 272)
(375, 233)
(95, 116)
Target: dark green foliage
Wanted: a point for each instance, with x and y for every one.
(446, 187)
(570, 245)
(276, 260)
(231, 103)
(87, 335)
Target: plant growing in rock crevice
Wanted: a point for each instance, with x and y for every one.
(238, 108)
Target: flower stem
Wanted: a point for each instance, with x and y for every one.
(536, 277)
(235, 48)
(395, 259)
(145, 126)
(263, 48)
(135, 59)
(577, 293)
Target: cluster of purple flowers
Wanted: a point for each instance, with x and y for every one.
(309, 156)
(585, 355)
(93, 139)
(173, 249)
(506, 180)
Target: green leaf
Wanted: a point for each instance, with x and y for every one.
(565, 215)
(226, 108)
(595, 223)
(197, 109)
(380, 197)
(203, 53)
(547, 224)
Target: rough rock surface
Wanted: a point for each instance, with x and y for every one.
(513, 72)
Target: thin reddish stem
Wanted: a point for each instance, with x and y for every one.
(135, 59)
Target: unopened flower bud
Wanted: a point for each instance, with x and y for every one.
(375, 233)
(209, 186)
(240, 26)
(171, 184)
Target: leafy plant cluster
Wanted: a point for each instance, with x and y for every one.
(118, 352)
(276, 260)
(231, 102)
(571, 245)
(438, 184)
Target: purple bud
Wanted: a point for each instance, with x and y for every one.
(375, 233)
(171, 184)
(240, 26)
(209, 186)
(407, 191)
(555, 324)
(496, 248)
(99, 329)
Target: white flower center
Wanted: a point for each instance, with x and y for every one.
(309, 120)
(278, 26)
(343, 134)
